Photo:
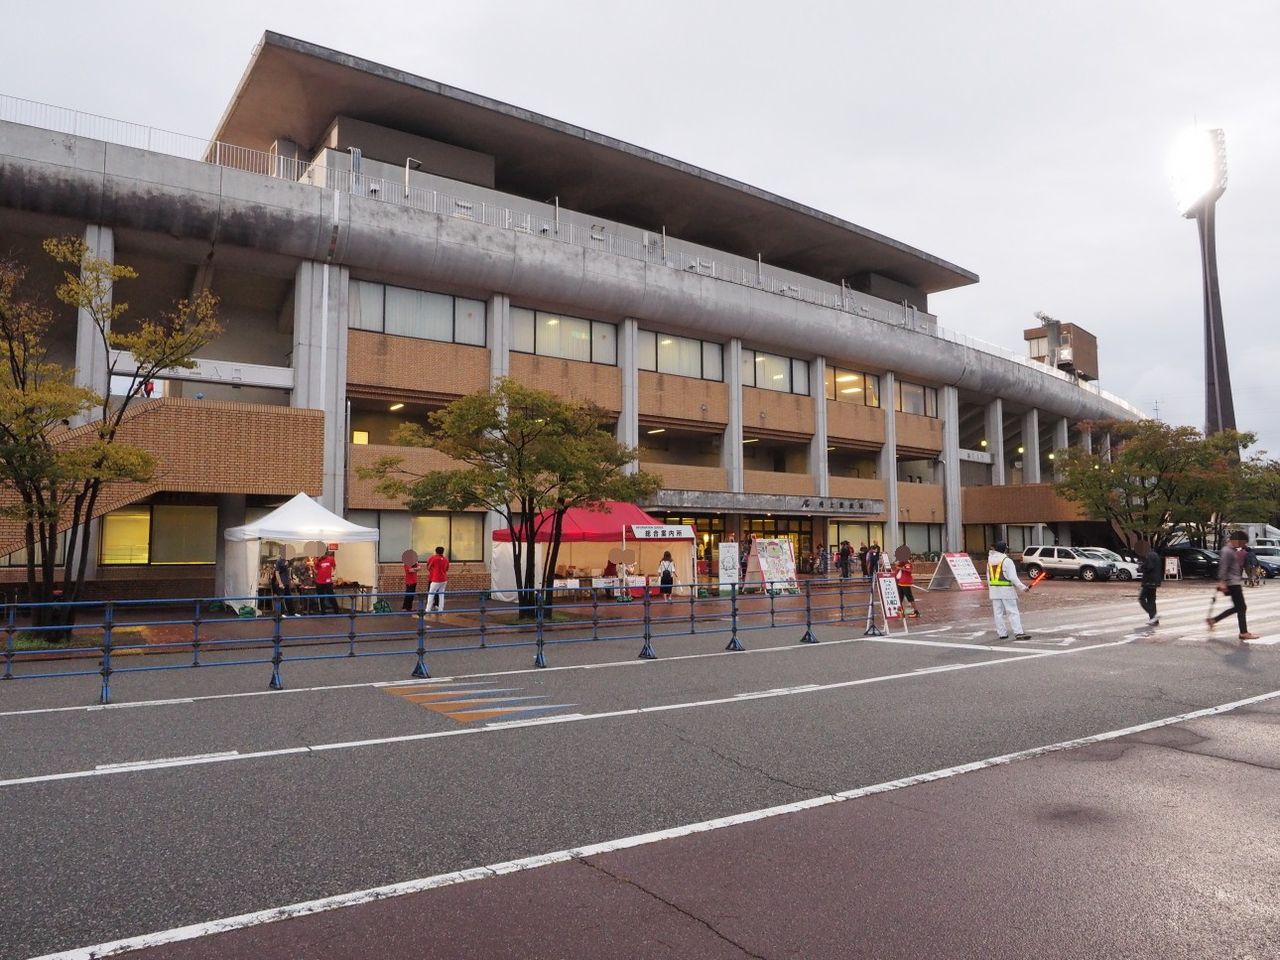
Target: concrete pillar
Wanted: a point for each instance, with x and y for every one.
(498, 334)
(231, 513)
(952, 530)
(1106, 447)
(889, 462)
(1086, 440)
(731, 455)
(818, 465)
(91, 353)
(1061, 439)
(629, 415)
(995, 441)
(320, 365)
(1031, 446)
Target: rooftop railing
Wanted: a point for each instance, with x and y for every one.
(657, 249)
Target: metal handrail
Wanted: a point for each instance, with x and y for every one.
(665, 251)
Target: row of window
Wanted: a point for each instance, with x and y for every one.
(436, 316)
(168, 534)
(461, 534)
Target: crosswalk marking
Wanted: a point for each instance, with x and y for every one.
(470, 702)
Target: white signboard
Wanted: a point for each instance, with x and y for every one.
(1172, 568)
(889, 596)
(956, 569)
(728, 563)
(662, 531)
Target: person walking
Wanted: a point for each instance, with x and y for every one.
(282, 586)
(324, 583)
(410, 580)
(1003, 587)
(823, 559)
(1231, 582)
(902, 574)
(666, 575)
(873, 560)
(862, 559)
(1152, 577)
(438, 575)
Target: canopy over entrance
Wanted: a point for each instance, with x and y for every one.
(610, 524)
(300, 523)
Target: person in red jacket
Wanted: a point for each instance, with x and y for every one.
(324, 582)
(902, 574)
(410, 582)
(438, 574)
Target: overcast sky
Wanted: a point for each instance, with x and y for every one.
(1030, 147)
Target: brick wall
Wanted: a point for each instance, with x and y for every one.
(855, 488)
(765, 481)
(209, 446)
(1017, 503)
(667, 397)
(919, 433)
(361, 494)
(852, 421)
(921, 503)
(680, 477)
(776, 412)
(571, 379)
(391, 367)
(462, 576)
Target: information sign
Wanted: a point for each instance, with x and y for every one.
(1172, 568)
(956, 569)
(728, 563)
(889, 596)
(669, 531)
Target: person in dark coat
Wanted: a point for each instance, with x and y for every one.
(1152, 577)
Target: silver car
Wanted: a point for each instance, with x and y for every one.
(1066, 562)
(1125, 569)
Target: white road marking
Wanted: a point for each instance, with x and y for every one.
(911, 641)
(164, 762)
(563, 718)
(309, 907)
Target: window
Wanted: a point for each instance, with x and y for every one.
(680, 356)
(914, 399)
(360, 437)
(160, 534)
(461, 534)
(19, 557)
(771, 372)
(570, 338)
(1038, 347)
(416, 313)
(850, 387)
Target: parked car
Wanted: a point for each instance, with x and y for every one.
(1195, 561)
(1125, 569)
(1066, 562)
(1268, 559)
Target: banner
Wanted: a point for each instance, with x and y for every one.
(774, 562)
(1172, 568)
(953, 569)
(728, 563)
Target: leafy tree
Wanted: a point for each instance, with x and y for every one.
(1164, 480)
(57, 474)
(526, 455)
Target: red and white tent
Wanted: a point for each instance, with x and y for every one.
(587, 536)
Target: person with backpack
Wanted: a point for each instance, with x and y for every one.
(666, 575)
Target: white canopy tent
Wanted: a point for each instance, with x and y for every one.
(297, 523)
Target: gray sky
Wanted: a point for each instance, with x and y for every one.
(1028, 146)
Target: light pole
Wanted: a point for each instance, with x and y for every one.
(1199, 179)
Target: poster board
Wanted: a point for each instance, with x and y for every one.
(956, 569)
(888, 590)
(728, 563)
(1172, 568)
(773, 564)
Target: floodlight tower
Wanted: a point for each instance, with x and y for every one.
(1199, 179)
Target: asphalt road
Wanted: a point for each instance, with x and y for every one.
(153, 815)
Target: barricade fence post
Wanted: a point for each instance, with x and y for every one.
(195, 636)
(734, 643)
(595, 613)
(540, 659)
(693, 612)
(771, 588)
(277, 655)
(107, 616)
(10, 638)
(646, 652)
(420, 667)
(484, 599)
(840, 590)
(872, 630)
(808, 614)
(351, 629)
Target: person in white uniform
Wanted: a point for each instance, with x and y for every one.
(1003, 587)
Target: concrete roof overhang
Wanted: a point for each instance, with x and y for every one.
(293, 89)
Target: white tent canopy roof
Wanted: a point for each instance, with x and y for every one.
(302, 519)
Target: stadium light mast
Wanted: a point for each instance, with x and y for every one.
(1199, 174)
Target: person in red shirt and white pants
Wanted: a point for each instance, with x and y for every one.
(438, 574)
